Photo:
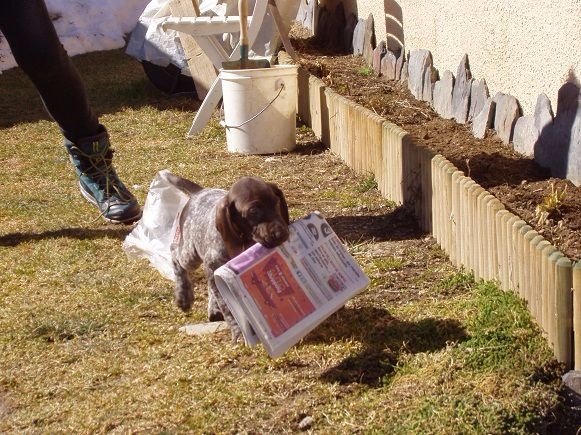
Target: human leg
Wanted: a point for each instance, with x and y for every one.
(35, 45)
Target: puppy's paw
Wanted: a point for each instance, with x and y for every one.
(214, 312)
(237, 337)
(184, 300)
(215, 316)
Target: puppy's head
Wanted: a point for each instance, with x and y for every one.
(252, 211)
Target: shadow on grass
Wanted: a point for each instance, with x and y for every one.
(14, 239)
(113, 81)
(384, 338)
(310, 148)
(399, 224)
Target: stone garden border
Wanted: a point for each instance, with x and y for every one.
(553, 140)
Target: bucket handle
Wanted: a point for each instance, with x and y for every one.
(223, 121)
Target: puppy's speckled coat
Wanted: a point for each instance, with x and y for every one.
(215, 226)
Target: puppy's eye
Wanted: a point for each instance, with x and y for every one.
(254, 213)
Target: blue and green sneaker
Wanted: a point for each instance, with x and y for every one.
(92, 158)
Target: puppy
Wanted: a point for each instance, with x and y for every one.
(217, 225)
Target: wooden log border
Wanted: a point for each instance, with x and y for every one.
(469, 223)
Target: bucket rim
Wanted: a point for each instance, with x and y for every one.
(273, 70)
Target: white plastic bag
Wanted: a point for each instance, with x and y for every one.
(154, 233)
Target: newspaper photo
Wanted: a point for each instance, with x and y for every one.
(279, 295)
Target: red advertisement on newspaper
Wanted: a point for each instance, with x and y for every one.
(277, 294)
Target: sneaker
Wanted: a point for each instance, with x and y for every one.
(92, 158)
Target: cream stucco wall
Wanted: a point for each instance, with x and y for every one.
(521, 47)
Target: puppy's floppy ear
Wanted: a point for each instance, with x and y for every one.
(283, 205)
(226, 225)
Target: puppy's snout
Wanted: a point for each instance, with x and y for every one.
(280, 234)
(273, 235)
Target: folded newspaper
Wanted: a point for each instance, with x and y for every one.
(279, 295)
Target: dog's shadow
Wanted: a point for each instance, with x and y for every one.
(397, 224)
(384, 338)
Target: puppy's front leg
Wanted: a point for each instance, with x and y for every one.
(184, 296)
(214, 312)
(214, 293)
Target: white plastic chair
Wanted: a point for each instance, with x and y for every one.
(208, 32)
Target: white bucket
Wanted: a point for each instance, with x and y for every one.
(260, 107)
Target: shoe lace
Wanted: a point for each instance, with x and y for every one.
(99, 167)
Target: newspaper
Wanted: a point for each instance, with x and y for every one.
(279, 295)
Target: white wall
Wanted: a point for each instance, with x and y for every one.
(521, 47)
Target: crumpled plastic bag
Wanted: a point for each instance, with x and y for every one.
(152, 236)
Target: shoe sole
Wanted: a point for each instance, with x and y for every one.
(92, 200)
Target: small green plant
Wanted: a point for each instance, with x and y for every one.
(384, 264)
(550, 207)
(367, 184)
(303, 129)
(349, 203)
(366, 70)
(456, 283)
(343, 88)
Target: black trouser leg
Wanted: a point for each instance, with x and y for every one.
(35, 45)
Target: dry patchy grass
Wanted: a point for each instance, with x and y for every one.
(90, 340)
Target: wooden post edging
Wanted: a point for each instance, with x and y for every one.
(564, 311)
(500, 225)
(540, 275)
(470, 224)
(310, 102)
(577, 314)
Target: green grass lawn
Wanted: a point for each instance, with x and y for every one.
(89, 340)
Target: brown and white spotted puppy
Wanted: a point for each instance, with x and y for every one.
(217, 225)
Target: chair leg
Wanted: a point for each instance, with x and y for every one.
(207, 108)
(282, 30)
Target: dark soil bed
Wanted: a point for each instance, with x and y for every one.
(518, 182)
